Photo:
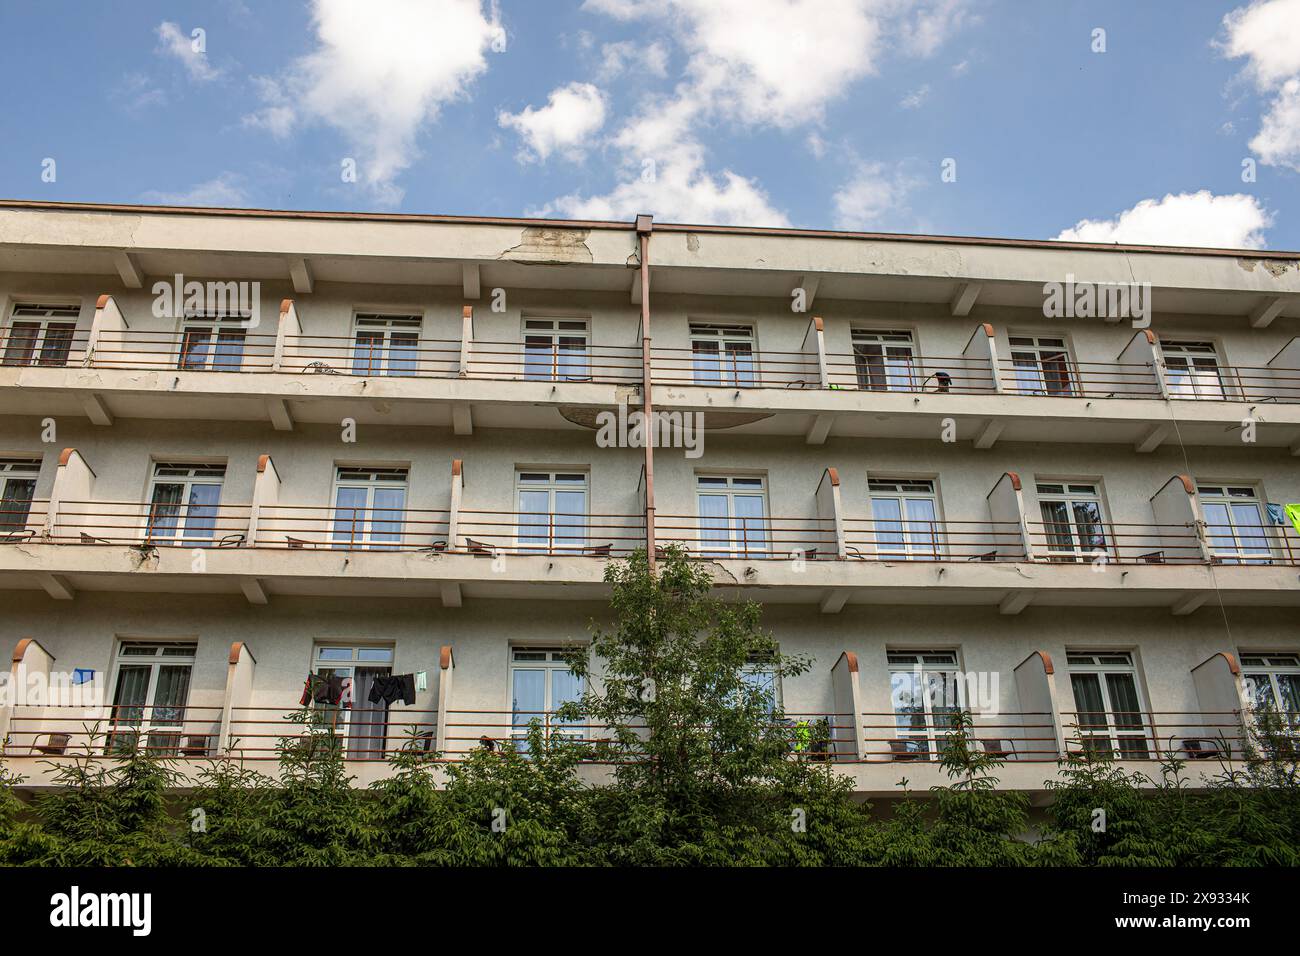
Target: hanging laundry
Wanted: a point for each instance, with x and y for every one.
(1275, 514)
(1293, 513)
(321, 690)
(393, 687)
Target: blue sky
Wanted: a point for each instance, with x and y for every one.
(811, 113)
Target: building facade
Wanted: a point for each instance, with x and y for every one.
(247, 453)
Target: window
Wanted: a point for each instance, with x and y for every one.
(903, 513)
(40, 335)
(556, 350)
(761, 675)
(926, 696)
(369, 507)
(17, 488)
(1109, 707)
(1072, 520)
(552, 511)
(733, 515)
(212, 343)
(1234, 524)
(885, 361)
(385, 344)
(183, 502)
(1041, 366)
(1193, 370)
(362, 725)
(723, 355)
(1273, 684)
(540, 683)
(150, 694)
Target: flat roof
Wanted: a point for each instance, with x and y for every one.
(631, 225)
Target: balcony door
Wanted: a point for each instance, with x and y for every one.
(361, 726)
(17, 489)
(212, 344)
(1108, 704)
(1234, 524)
(1273, 685)
(904, 518)
(723, 355)
(926, 697)
(540, 683)
(184, 500)
(369, 507)
(884, 361)
(557, 350)
(150, 694)
(385, 344)
(40, 335)
(1073, 524)
(1041, 365)
(552, 510)
(733, 515)
(1193, 370)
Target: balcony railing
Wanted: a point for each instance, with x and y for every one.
(188, 351)
(551, 533)
(781, 539)
(902, 737)
(370, 357)
(1157, 735)
(111, 730)
(150, 524)
(609, 364)
(734, 369)
(958, 375)
(915, 540)
(312, 527)
(1110, 542)
(21, 348)
(1071, 379)
(1234, 383)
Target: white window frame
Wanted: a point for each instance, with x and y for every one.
(1032, 379)
(188, 474)
(1100, 663)
(149, 727)
(44, 317)
(385, 324)
(725, 369)
(372, 478)
(929, 663)
(17, 469)
(371, 656)
(1199, 373)
(563, 537)
(550, 660)
(1072, 492)
(1271, 666)
(738, 541)
(1221, 493)
(222, 330)
(899, 372)
(562, 361)
(928, 546)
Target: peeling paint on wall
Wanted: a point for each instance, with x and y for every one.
(1275, 267)
(551, 246)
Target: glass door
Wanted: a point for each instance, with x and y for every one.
(1041, 366)
(150, 695)
(40, 335)
(212, 344)
(1273, 685)
(904, 519)
(17, 489)
(183, 503)
(1193, 370)
(884, 361)
(355, 723)
(386, 345)
(552, 512)
(926, 697)
(1234, 525)
(1109, 711)
(733, 515)
(723, 355)
(369, 507)
(556, 350)
(541, 683)
(1072, 521)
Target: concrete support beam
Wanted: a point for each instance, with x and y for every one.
(1015, 601)
(55, 585)
(1267, 311)
(278, 410)
(989, 434)
(462, 419)
(1295, 447)
(809, 285)
(819, 429)
(1189, 602)
(833, 602)
(1152, 439)
(635, 294)
(129, 269)
(965, 298)
(450, 594)
(469, 280)
(300, 273)
(253, 590)
(95, 408)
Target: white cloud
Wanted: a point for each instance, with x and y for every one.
(223, 191)
(932, 24)
(816, 144)
(874, 199)
(1235, 221)
(617, 58)
(1267, 33)
(172, 42)
(961, 69)
(381, 70)
(567, 122)
(915, 98)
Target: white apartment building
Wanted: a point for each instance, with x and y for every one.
(374, 455)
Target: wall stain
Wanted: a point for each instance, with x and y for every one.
(550, 246)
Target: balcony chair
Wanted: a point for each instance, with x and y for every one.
(91, 539)
(56, 745)
(1200, 748)
(598, 550)
(196, 745)
(436, 547)
(986, 556)
(17, 537)
(324, 367)
(998, 748)
(298, 543)
(479, 547)
(1152, 557)
(809, 554)
(235, 540)
(906, 749)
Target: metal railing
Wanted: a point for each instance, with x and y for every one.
(1071, 379)
(19, 348)
(868, 539)
(150, 524)
(113, 730)
(1156, 735)
(190, 350)
(1234, 383)
(902, 737)
(781, 539)
(514, 361)
(311, 527)
(960, 375)
(370, 357)
(551, 533)
(734, 369)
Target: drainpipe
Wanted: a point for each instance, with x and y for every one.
(644, 226)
